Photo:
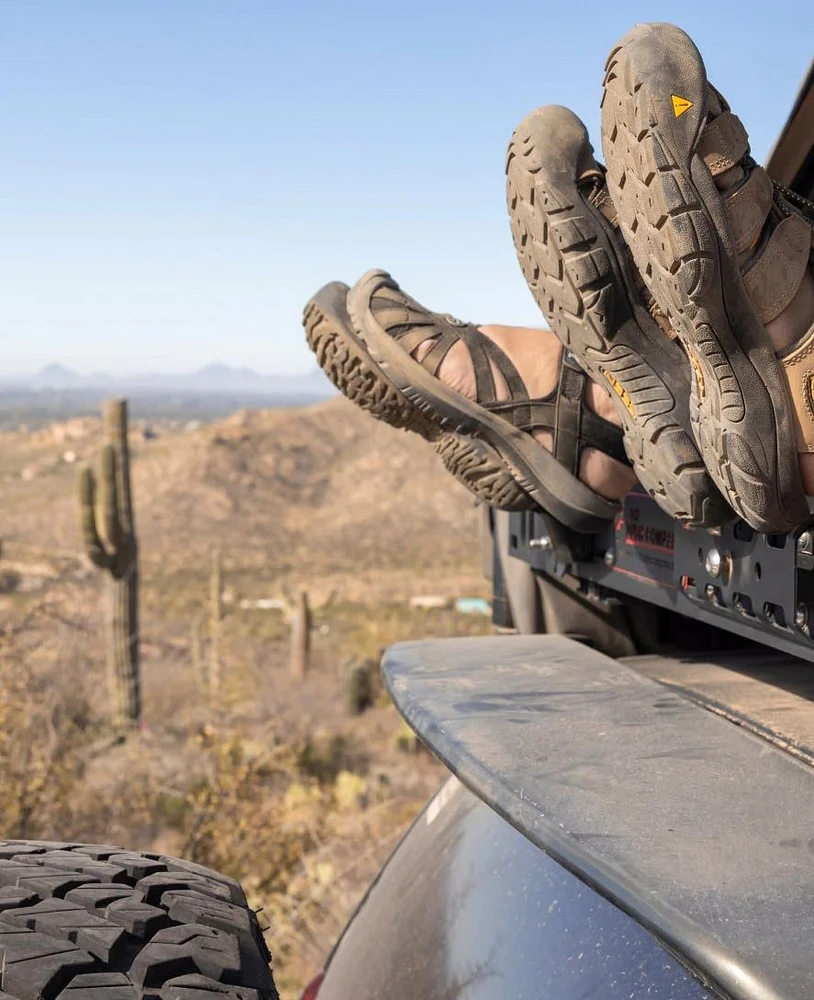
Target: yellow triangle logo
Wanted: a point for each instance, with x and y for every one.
(680, 105)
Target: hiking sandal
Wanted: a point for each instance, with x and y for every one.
(345, 360)
(720, 264)
(365, 342)
(578, 269)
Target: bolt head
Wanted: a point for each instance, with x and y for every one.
(801, 616)
(804, 542)
(713, 563)
(610, 557)
(543, 543)
(709, 590)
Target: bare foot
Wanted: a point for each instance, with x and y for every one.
(536, 355)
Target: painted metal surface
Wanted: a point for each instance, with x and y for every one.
(468, 909)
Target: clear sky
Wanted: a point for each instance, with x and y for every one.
(177, 176)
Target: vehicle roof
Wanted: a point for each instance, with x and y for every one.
(698, 828)
(766, 691)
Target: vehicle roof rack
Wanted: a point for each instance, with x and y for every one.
(757, 586)
(699, 829)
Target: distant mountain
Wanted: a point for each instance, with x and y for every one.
(228, 378)
(213, 379)
(57, 374)
(227, 372)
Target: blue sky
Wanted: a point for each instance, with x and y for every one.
(177, 176)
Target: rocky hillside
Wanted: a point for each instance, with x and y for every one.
(325, 486)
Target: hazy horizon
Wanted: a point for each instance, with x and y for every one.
(179, 371)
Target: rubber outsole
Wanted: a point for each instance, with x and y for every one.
(673, 219)
(347, 363)
(541, 476)
(574, 265)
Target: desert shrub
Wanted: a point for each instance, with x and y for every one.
(361, 685)
(323, 756)
(46, 731)
(303, 825)
(10, 580)
(244, 810)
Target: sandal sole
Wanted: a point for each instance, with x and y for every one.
(673, 219)
(539, 474)
(346, 362)
(580, 282)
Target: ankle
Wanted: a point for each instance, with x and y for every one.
(604, 475)
(536, 354)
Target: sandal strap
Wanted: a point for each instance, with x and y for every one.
(723, 143)
(445, 332)
(773, 279)
(604, 436)
(771, 236)
(562, 412)
(528, 414)
(564, 415)
(568, 426)
(592, 431)
(748, 204)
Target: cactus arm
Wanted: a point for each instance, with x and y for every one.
(94, 547)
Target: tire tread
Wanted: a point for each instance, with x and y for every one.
(96, 922)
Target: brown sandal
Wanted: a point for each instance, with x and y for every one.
(364, 339)
(719, 263)
(579, 270)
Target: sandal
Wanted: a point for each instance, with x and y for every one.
(578, 269)
(364, 338)
(345, 360)
(720, 264)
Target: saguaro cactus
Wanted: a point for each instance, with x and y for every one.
(109, 535)
(300, 635)
(196, 652)
(215, 617)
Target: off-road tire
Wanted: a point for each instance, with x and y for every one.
(97, 922)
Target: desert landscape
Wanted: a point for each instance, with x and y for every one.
(298, 785)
